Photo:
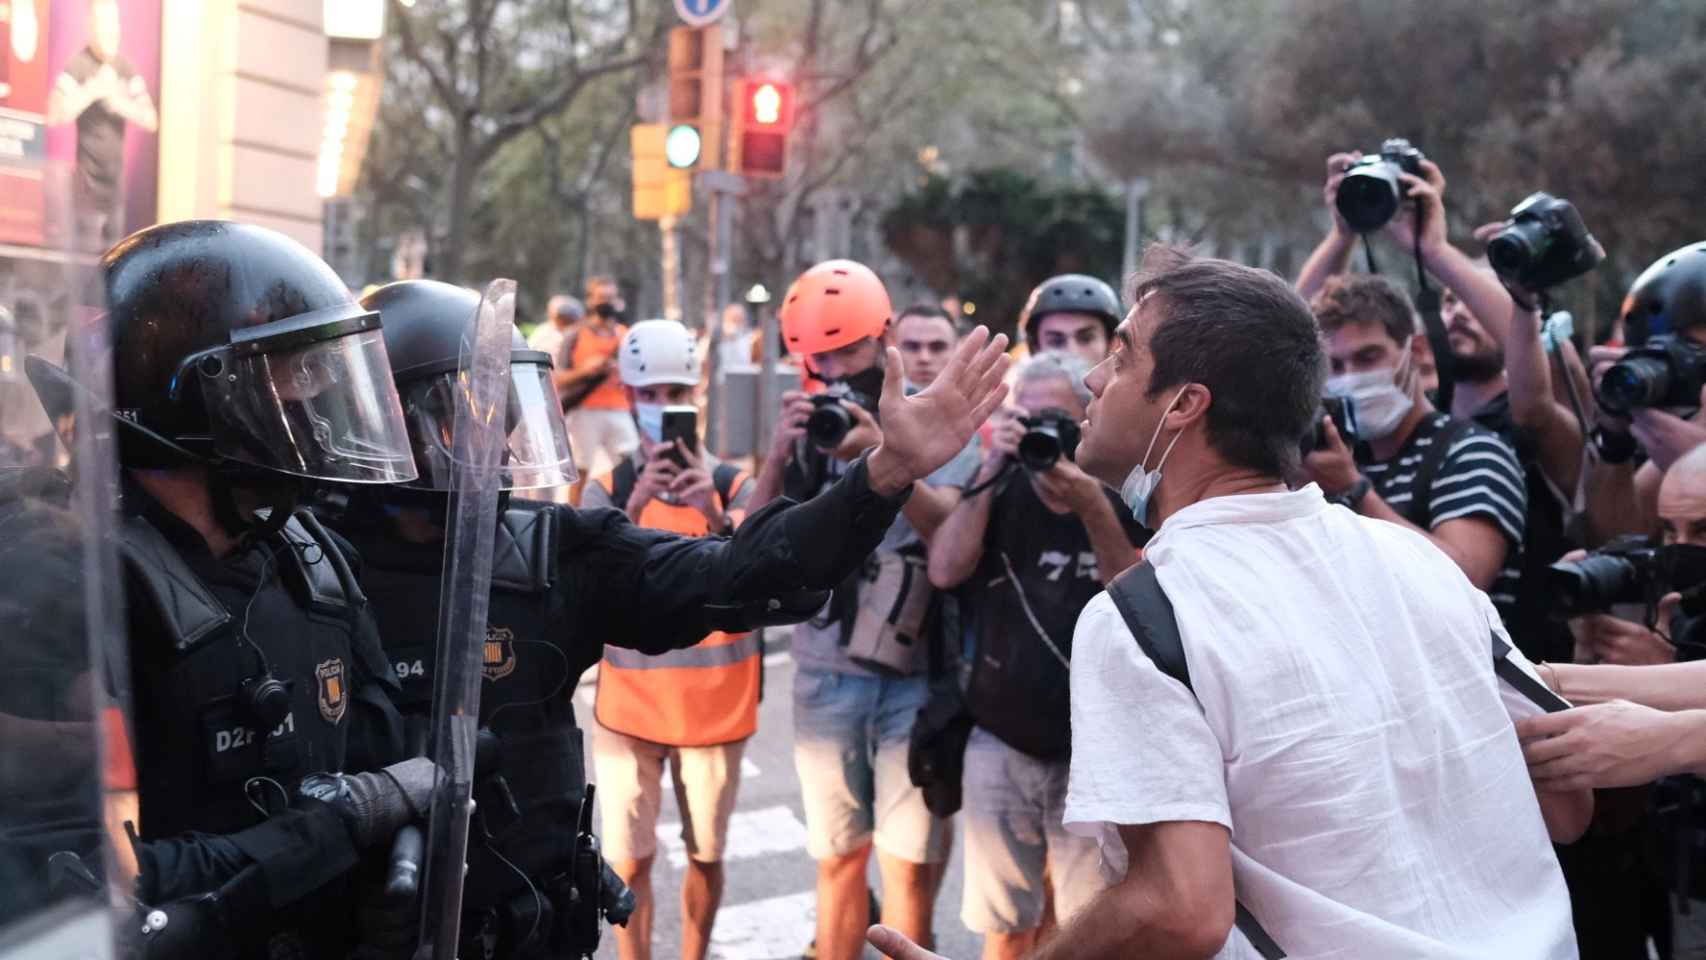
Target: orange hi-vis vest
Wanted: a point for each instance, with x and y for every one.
(696, 697)
(592, 345)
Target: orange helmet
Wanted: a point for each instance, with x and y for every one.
(833, 304)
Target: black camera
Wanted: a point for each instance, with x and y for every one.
(1343, 412)
(1051, 434)
(1545, 244)
(830, 421)
(1626, 570)
(1667, 372)
(1370, 192)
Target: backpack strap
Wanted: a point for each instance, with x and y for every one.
(1148, 614)
(1537, 693)
(187, 609)
(1421, 492)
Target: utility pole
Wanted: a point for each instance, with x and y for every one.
(669, 232)
(1135, 190)
(721, 190)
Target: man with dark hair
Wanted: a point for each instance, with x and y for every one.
(925, 335)
(1456, 483)
(1340, 756)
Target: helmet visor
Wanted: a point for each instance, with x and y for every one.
(325, 409)
(536, 453)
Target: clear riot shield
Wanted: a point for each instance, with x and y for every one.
(67, 784)
(478, 436)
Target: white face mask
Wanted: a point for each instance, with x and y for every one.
(1382, 399)
(649, 418)
(1141, 483)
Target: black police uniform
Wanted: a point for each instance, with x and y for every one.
(238, 352)
(564, 583)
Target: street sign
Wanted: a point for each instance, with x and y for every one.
(698, 13)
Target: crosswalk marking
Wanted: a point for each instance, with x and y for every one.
(765, 929)
(752, 834)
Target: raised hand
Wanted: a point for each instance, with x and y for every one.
(924, 431)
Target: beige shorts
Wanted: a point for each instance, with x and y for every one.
(629, 774)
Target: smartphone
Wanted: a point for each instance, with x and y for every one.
(680, 423)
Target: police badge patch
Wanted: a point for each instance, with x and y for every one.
(333, 689)
(499, 660)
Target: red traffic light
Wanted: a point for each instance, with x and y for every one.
(768, 105)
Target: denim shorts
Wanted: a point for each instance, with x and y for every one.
(850, 740)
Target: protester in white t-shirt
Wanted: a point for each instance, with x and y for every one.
(1346, 767)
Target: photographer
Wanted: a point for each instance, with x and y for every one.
(1339, 756)
(1029, 545)
(861, 680)
(1662, 415)
(1451, 480)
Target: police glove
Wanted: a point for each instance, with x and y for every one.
(374, 805)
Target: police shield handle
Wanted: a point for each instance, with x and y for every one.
(923, 431)
(477, 442)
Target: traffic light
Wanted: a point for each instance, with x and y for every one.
(696, 97)
(762, 124)
(660, 191)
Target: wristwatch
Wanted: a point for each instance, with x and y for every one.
(1352, 498)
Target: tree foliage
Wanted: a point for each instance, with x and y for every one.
(992, 235)
(1234, 110)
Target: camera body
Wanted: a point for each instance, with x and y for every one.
(1370, 192)
(1667, 372)
(1630, 569)
(1343, 412)
(1545, 244)
(830, 420)
(1050, 435)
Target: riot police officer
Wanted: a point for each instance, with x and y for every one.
(242, 369)
(567, 581)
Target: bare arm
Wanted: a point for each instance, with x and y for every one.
(1333, 255)
(1114, 552)
(1668, 686)
(928, 507)
(1175, 903)
(958, 547)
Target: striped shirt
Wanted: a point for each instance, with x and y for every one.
(1480, 477)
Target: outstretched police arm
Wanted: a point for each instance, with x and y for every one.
(654, 591)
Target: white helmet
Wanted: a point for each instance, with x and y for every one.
(659, 351)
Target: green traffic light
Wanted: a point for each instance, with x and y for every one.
(681, 146)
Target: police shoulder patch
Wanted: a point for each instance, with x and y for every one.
(499, 659)
(333, 689)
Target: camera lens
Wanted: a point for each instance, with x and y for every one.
(1039, 448)
(1368, 195)
(1634, 382)
(828, 425)
(1593, 583)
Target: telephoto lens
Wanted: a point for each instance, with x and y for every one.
(1619, 572)
(829, 422)
(1049, 435)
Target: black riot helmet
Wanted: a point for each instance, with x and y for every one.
(236, 347)
(1070, 293)
(1668, 297)
(427, 327)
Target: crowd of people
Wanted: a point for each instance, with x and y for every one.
(1228, 617)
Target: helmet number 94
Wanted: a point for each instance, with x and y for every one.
(409, 668)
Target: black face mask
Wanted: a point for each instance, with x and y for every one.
(867, 385)
(607, 311)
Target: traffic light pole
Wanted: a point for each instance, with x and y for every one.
(721, 189)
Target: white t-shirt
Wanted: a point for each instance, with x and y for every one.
(548, 338)
(1350, 733)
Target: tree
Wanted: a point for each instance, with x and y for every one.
(995, 234)
(469, 79)
(1234, 111)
